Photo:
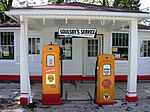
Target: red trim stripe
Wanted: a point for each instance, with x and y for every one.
(24, 101)
(23, 93)
(131, 92)
(71, 77)
(131, 99)
(105, 103)
(77, 77)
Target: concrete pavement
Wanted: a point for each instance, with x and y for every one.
(77, 97)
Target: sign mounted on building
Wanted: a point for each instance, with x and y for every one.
(80, 33)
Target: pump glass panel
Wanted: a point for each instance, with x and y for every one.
(106, 70)
(50, 60)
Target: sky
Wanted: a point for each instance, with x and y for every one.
(144, 3)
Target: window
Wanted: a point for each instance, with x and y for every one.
(34, 46)
(92, 48)
(6, 45)
(120, 46)
(66, 44)
(145, 48)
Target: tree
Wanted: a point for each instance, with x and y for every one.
(104, 3)
(100, 2)
(131, 4)
(5, 5)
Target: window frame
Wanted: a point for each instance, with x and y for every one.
(140, 48)
(119, 60)
(10, 60)
(41, 44)
(93, 46)
(56, 34)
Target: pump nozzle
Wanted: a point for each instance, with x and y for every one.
(51, 43)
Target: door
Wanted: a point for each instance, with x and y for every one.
(35, 44)
(94, 47)
(144, 56)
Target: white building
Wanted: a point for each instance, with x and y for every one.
(117, 33)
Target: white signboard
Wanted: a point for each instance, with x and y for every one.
(81, 33)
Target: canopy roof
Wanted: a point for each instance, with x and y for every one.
(76, 9)
(80, 6)
(56, 15)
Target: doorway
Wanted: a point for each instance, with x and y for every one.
(94, 47)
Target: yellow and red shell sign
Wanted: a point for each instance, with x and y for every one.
(50, 79)
(106, 83)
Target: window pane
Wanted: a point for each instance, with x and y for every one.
(124, 40)
(66, 44)
(12, 38)
(120, 39)
(148, 52)
(113, 39)
(92, 48)
(89, 54)
(29, 45)
(38, 45)
(145, 48)
(6, 45)
(117, 39)
(127, 38)
(34, 45)
(120, 45)
(6, 52)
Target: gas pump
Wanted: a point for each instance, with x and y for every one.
(104, 80)
(51, 75)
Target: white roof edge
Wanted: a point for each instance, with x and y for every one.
(9, 28)
(127, 30)
(144, 30)
(76, 12)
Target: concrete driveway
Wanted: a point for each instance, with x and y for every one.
(77, 97)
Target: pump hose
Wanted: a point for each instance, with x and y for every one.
(61, 81)
(95, 81)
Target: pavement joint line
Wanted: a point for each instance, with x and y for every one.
(143, 86)
(66, 95)
(89, 95)
(16, 95)
(5, 85)
(121, 89)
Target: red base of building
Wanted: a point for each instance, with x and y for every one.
(24, 101)
(71, 77)
(51, 99)
(131, 99)
(104, 103)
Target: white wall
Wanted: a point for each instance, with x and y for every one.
(74, 66)
(11, 67)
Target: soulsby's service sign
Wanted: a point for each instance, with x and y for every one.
(81, 33)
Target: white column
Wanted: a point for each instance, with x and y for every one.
(131, 95)
(25, 89)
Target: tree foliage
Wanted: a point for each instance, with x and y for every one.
(100, 2)
(104, 2)
(5, 5)
(131, 4)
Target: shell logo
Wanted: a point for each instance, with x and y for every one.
(50, 79)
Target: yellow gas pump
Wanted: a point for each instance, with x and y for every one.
(51, 78)
(104, 93)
